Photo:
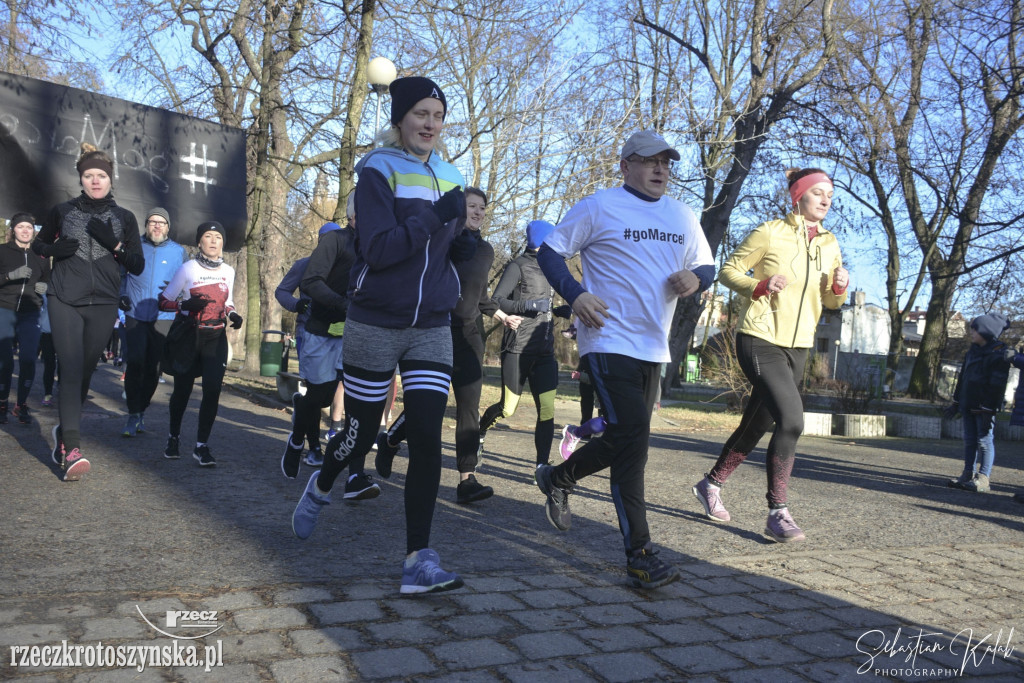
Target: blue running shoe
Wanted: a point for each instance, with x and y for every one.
(314, 458)
(131, 426)
(426, 576)
(308, 509)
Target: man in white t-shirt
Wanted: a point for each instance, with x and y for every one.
(640, 252)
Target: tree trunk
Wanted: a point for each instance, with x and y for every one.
(354, 115)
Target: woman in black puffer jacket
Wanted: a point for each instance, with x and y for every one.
(90, 239)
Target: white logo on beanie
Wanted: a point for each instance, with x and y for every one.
(436, 95)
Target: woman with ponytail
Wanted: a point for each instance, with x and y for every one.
(90, 239)
(797, 269)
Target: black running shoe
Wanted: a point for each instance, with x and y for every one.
(647, 570)
(470, 491)
(385, 456)
(22, 413)
(291, 458)
(3, 412)
(203, 457)
(58, 446)
(361, 487)
(557, 506)
(171, 449)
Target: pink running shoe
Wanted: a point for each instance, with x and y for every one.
(569, 441)
(710, 496)
(781, 527)
(75, 465)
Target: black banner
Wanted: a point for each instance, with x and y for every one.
(193, 168)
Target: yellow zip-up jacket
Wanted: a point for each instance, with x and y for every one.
(790, 317)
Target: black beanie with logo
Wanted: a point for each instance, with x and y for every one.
(406, 92)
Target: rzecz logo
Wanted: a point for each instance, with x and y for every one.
(186, 623)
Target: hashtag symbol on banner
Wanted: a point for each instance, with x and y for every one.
(627, 233)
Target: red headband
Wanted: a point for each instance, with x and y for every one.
(797, 189)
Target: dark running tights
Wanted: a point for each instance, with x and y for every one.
(775, 374)
(212, 360)
(424, 414)
(308, 415)
(80, 334)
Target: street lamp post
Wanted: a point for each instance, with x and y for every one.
(379, 74)
(835, 361)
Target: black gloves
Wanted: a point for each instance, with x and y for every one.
(236, 320)
(537, 305)
(450, 206)
(563, 311)
(20, 273)
(124, 303)
(301, 307)
(62, 248)
(951, 411)
(463, 246)
(102, 232)
(196, 303)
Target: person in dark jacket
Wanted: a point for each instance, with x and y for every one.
(468, 357)
(403, 287)
(979, 396)
(325, 284)
(528, 351)
(23, 278)
(90, 240)
(145, 325)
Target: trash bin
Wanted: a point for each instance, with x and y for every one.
(271, 353)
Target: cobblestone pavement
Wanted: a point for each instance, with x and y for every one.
(900, 578)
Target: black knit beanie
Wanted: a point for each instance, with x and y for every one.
(207, 227)
(406, 92)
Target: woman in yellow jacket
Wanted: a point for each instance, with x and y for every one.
(788, 269)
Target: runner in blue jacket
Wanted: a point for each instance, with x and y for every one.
(145, 324)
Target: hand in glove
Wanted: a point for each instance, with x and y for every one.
(563, 311)
(463, 246)
(951, 411)
(41, 288)
(537, 305)
(194, 304)
(236, 320)
(301, 307)
(102, 232)
(62, 248)
(20, 273)
(124, 303)
(450, 206)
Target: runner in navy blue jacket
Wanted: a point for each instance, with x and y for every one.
(411, 211)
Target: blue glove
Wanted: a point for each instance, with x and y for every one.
(563, 311)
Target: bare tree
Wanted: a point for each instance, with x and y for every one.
(756, 58)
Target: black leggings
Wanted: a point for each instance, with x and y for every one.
(308, 415)
(626, 388)
(143, 350)
(212, 358)
(542, 373)
(49, 362)
(775, 373)
(467, 383)
(80, 334)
